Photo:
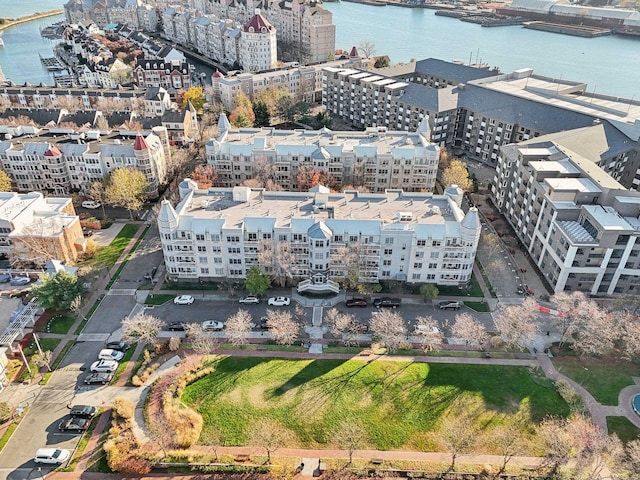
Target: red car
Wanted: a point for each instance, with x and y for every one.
(356, 302)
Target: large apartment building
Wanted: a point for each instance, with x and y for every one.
(393, 235)
(63, 163)
(34, 228)
(378, 158)
(137, 14)
(303, 82)
(580, 225)
(367, 99)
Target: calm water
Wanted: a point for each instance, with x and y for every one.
(608, 65)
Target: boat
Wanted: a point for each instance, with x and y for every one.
(1, 42)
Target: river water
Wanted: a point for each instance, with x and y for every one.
(609, 65)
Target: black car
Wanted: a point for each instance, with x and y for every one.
(86, 411)
(119, 346)
(74, 424)
(261, 325)
(177, 327)
(98, 377)
(386, 302)
(356, 302)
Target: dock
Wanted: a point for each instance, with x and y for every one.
(575, 30)
(52, 64)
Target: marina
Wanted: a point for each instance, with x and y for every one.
(52, 64)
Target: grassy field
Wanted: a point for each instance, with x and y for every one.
(399, 403)
(60, 324)
(602, 378)
(45, 344)
(108, 255)
(158, 298)
(622, 427)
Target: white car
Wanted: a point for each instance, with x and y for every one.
(110, 354)
(212, 326)
(104, 366)
(249, 299)
(279, 301)
(183, 300)
(91, 204)
(54, 456)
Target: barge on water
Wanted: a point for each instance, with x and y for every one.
(575, 30)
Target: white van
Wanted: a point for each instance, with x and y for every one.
(52, 455)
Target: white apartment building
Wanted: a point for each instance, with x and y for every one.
(258, 46)
(580, 226)
(378, 159)
(137, 14)
(393, 235)
(61, 164)
(366, 99)
(304, 83)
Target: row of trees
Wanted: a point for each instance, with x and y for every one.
(268, 105)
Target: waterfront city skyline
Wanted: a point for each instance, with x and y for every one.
(426, 35)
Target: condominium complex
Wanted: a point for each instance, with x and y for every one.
(580, 225)
(137, 14)
(377, 158)
(393, 235)
(63, 163)
(364, 99)
(303, 82)
(258, 46)
(34, 228)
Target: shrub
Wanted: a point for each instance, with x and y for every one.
(569, 395)
(136, 381)
(134, 465)
(174, 344)
(186, 425)
(123, 408)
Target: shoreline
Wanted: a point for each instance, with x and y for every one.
(30, 18)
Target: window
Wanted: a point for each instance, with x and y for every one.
(200, 236)
(204, 271)
(435, 255)
(353, 238)
(416, 276)
(203, 260)
(388, 251)
(202, 248)
(421, 243)
(233, 238)
(433, 265)
(388, 241)
(234, 250)
(386, 263)
(417, 265)
(253, 237)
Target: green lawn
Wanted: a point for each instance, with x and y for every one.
(474, 289)
(124, 362)
(158, 298)
(622, 427)
(108, 255)
(60, 324)
(45, 344)
(399, 403)
(603, 379)
(478, 306)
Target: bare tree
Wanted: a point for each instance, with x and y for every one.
(629, 325)
(457, 433)
(427, 331)
(213, 438)
(141, 328)
(43, 359)
(343, 325)
(32, 243)
(366, 49)
(633, 456)
(264, 170)
(508, 441)
(517, 324)
(98, 193)
(76, 307)
(350, 436)
(556, 441)
(268, 434)
(389, 328)
(284, 329)
(599, 331)
(238, 327)
(201, 341)
(161, 432)
(469, 329)
(570, 321)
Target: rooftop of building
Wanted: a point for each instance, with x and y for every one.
(259, 210)
(374, 140)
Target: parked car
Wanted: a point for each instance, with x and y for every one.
(279, 301)
(249, 299)
(86, 411)
(107, 366)
(110, 354)
(386, 302)
(91, 204)
(261, 325)
(120, 346)
(151, 274)
(449, 305)
(74, 424)
(100, 377)
(183, 300)
(87, 232)
(19, 281)
(177, 327)
(212, 326)
(54, 456)
(5, 278)
(356, 302)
